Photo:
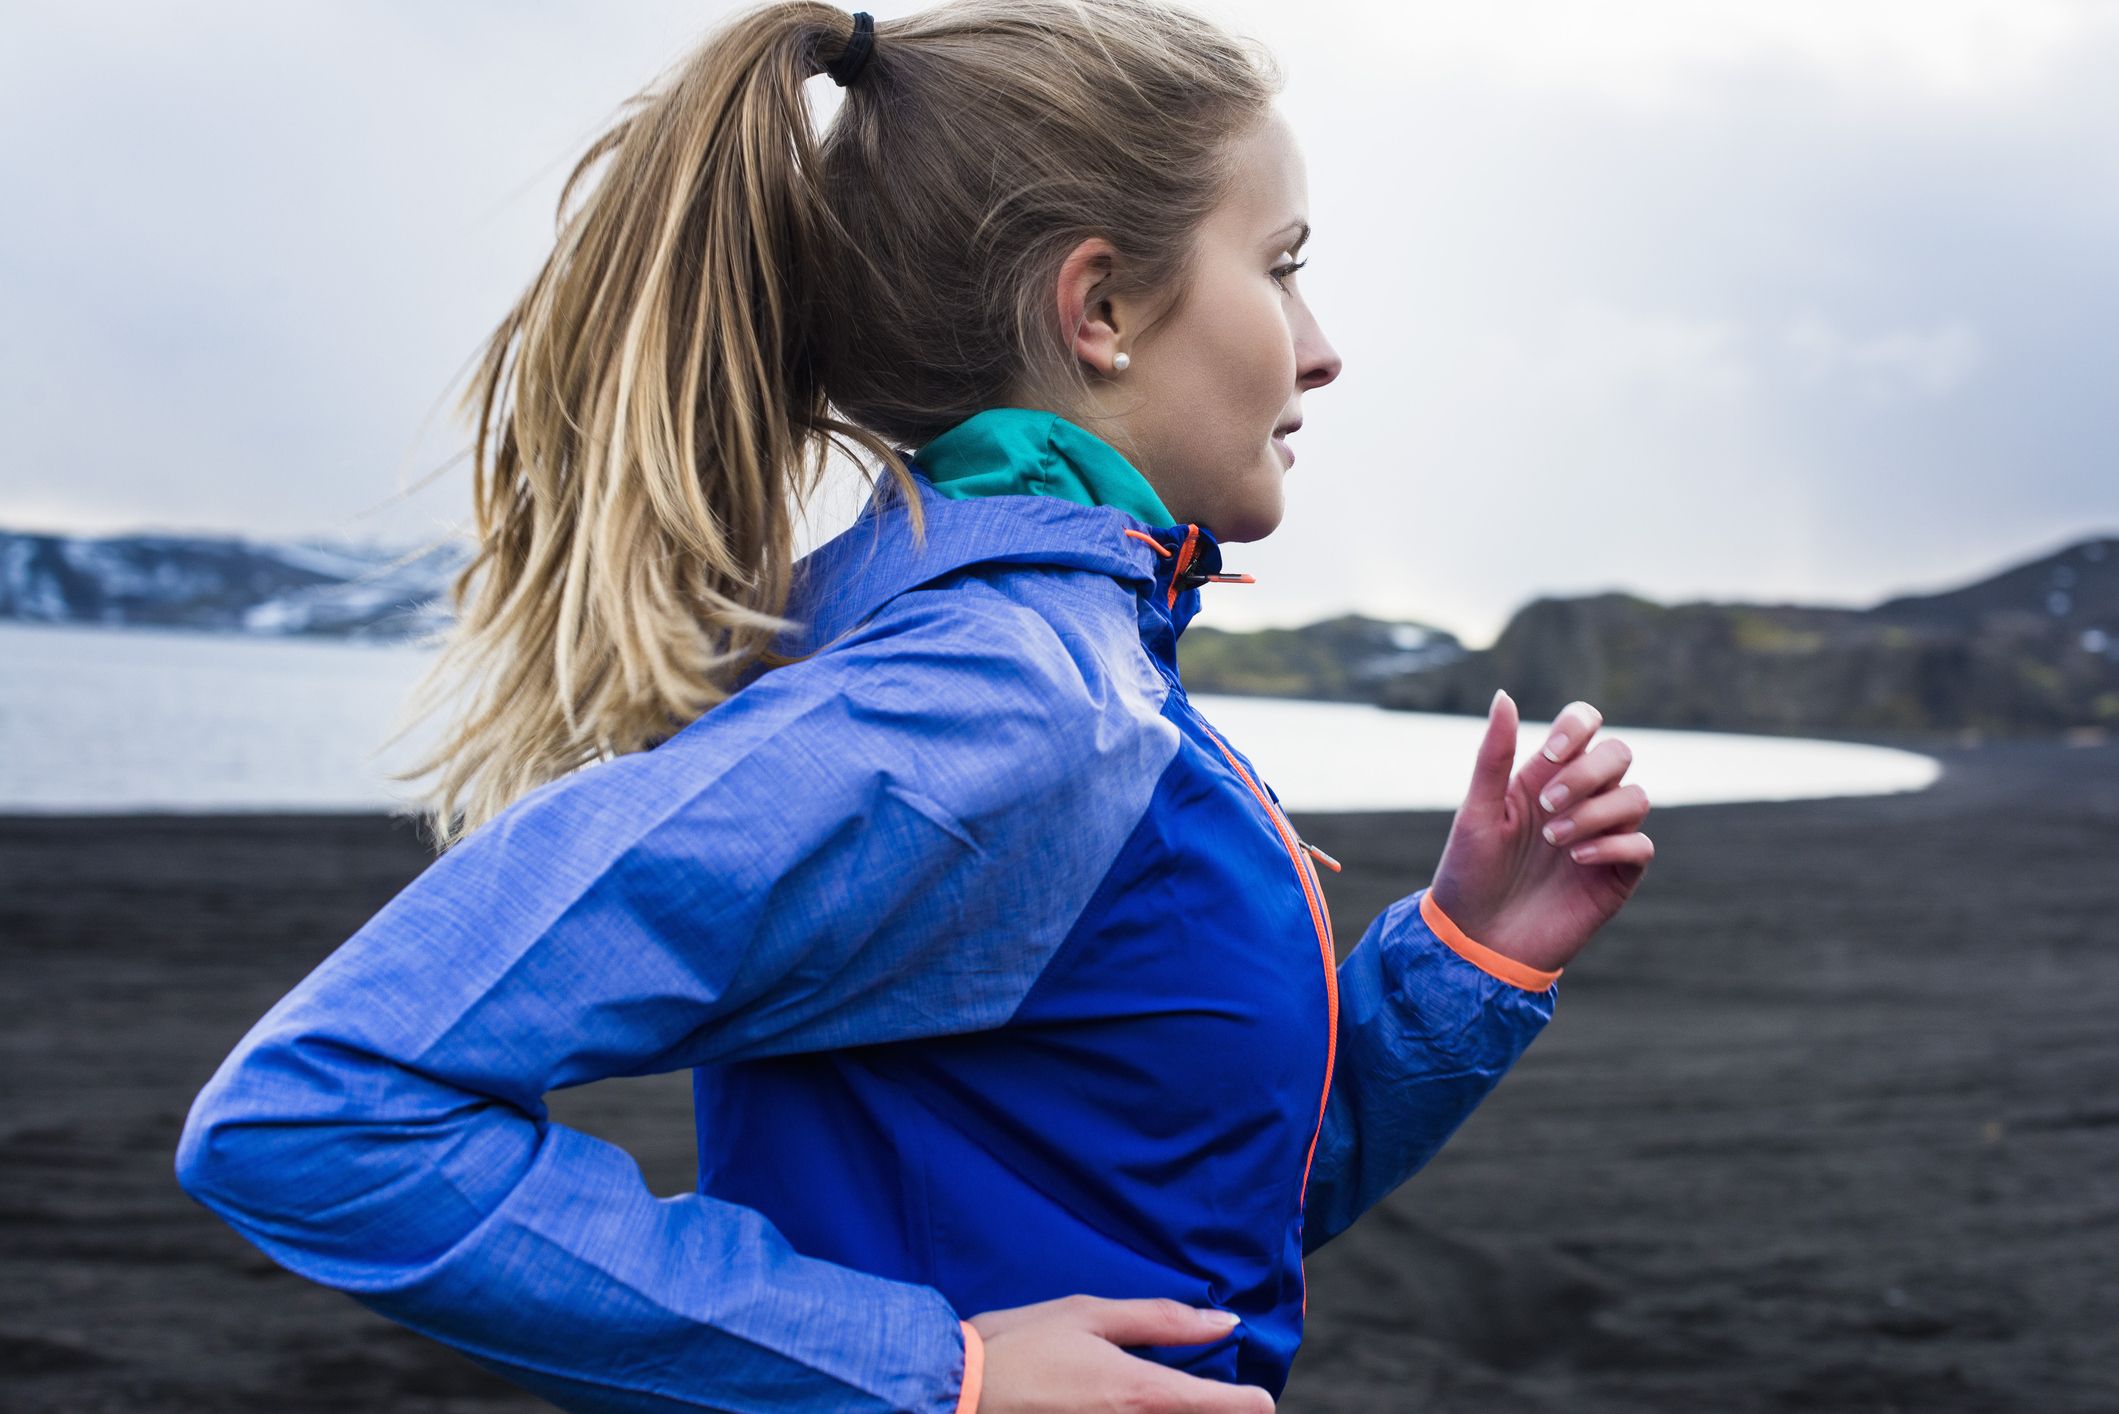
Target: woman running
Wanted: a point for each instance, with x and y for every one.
(1025, 1071)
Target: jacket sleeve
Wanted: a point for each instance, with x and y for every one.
(816, 863)
(1429, 1021)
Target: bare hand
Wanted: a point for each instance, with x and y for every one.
(1063, 1355)
(1502, 882)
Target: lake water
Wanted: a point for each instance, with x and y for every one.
(111, 719)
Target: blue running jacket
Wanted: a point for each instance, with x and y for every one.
(999, 971)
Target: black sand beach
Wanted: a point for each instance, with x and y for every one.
(1829, 1119)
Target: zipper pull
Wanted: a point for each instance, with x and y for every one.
(1230, 578)
(1319, 855)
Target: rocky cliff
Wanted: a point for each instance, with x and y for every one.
(2033, 650)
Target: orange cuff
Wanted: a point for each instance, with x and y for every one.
(974, 1368)
(1516, 974)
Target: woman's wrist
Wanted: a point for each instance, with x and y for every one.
(1491, 961)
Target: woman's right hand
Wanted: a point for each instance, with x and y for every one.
(1528, 898)
(1063, 1357)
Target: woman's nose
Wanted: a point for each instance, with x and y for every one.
(1318, 361)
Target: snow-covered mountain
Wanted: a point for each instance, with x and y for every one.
(337, 588)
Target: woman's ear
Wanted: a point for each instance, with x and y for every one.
(1091, 319)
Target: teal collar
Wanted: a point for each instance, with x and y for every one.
(1031, 452)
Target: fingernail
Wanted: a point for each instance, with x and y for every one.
(1559, 830)
(1222, 1318)
(1582, 853)
(1555, 746)
(1554, 797)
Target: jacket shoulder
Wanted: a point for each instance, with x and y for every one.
(1014, 704)
(1029, 626)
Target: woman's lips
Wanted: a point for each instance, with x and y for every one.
(1285, 450)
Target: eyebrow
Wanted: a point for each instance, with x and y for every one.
(1298, 225)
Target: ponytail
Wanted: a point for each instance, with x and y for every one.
(648, 429)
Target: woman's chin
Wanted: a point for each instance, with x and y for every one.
(1254, 518)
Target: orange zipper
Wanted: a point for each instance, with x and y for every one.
(1312, 886)
(1321, 920)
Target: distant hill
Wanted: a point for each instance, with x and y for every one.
(1349, 659)
(2033, 650)
(339, 589)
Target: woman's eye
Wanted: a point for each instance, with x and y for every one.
(1281, 272)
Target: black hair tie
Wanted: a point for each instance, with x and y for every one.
(859, 45)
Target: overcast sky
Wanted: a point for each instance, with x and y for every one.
(1779, 300)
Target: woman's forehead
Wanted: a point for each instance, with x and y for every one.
(1269, 191)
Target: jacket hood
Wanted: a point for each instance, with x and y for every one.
(848, 579)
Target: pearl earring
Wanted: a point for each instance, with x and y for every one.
(1120, 363)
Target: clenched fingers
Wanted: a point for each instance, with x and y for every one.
(1618, 810)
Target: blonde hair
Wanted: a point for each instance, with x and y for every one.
(736, 297)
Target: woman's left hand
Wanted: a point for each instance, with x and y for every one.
(1502, 882)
